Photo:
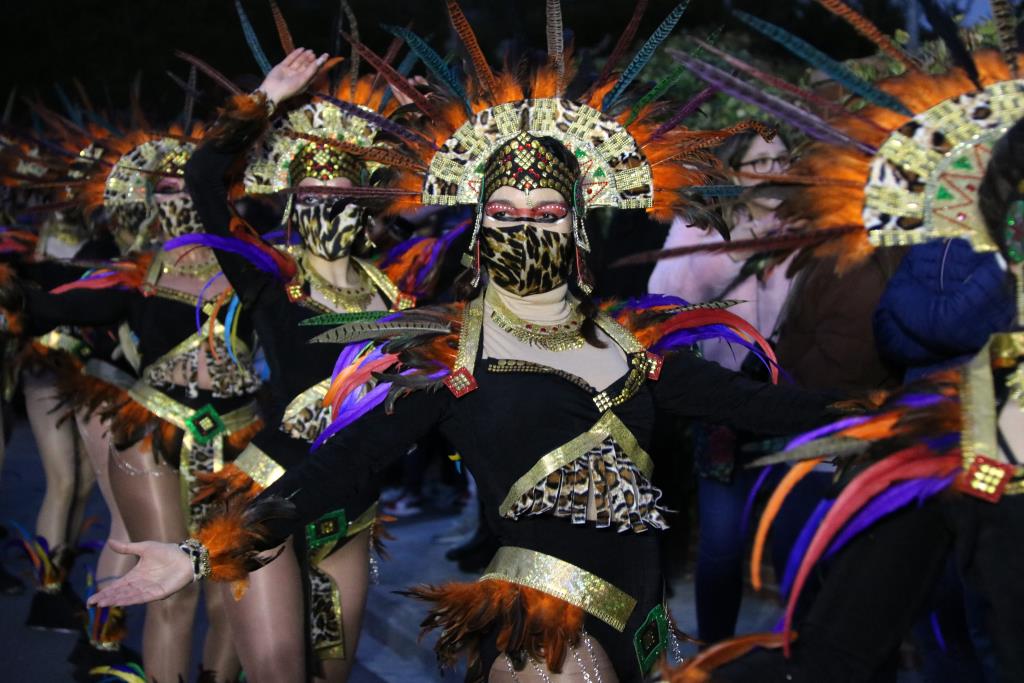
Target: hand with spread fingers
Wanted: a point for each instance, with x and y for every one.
(292, 75)
(163, 569)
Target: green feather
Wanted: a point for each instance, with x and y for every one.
(250, 37)
(432, 60)
(358, 331)
(643, 56)
(662, 86)
(820, 60)
(344, 318)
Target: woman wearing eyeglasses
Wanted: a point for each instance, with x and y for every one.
(761, 286)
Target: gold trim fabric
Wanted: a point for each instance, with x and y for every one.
(260, 467)
(563, 580)
(608, 425)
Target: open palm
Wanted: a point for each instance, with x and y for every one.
(163, 569)
(292, 75)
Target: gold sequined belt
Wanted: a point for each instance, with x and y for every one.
(62, 341)
(563, 580)
(260, 467)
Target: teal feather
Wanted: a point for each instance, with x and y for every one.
(433, 61)
(344, 318)
(820, 60)
(662, 86)
(404, 67)
(643, 56)
(250, 37)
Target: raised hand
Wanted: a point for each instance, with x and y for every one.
(292, 75)
(163, 569)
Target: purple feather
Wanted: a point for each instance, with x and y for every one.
(887, 502)
(810, 124)
(826, 430)
(748, 507)
(685, 111)
(377, 120)
(803, 542)
(249, 252)
(372, 399)
(919, 400)
(282, 237)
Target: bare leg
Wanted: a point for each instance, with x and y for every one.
(57, 454)
(219, 654)
(581, 664)
(149, 496)
(267, 623)
(349, 568)
(96, 439)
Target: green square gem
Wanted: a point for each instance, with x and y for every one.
(205, 425)
(330, 528)
(651, 639)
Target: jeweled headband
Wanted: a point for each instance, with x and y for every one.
(526, 164)
(323, 161)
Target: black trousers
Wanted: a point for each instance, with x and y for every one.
(875, 588)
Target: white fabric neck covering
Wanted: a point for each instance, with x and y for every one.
(599, 367)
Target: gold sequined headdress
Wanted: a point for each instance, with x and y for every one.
(484, 134)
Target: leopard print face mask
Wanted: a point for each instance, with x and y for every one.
(526, 259)
(324, 233)
(178, 216)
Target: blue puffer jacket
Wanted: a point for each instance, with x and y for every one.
(941, 306)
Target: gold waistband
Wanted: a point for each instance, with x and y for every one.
(608, 425)
(178, 414)
(260, 467)
(565, 581)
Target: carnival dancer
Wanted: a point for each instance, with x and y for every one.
(576, 586)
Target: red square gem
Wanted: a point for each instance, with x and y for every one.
(985, 478)
(294, 291)
(460, 382)
(404, 301)
(654, 364)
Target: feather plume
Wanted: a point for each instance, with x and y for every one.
(343, 318)
(621, 45)
(555, 31)
(688, 109)
(867, 28)
(915, 462)
(404, 68)
(832, 108)
(433, 61)
(382, 155)
(190, 97)
(394, 79)
(375, 330)
(353, 65)
(803, 540)
(771, 511)
(484, 75)
(382, 123)
(283, 34)
(783, 242)
(1006, 32)
(252, 40)
(810, 124)
(816, 58)
(947, 29)
(643, 56)
(259, 257)
(215, 75)
(390, 55)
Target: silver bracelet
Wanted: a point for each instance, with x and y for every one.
(200, 557)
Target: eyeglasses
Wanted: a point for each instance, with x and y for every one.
(768, 164)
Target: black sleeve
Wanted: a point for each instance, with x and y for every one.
(698, 389)
(337, 472)
(84, 307)
(205, 179)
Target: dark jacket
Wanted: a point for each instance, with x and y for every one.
(941, 306)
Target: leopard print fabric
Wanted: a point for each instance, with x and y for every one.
(525, 259)
(178, 216)
(623, 496)
(329, 238)
(227, 380)
(325, 624)
(306, 417)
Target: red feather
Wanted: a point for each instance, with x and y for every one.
(394, 79)
(484, 75)
(287, 44)
(622, 45)
(911, 463)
